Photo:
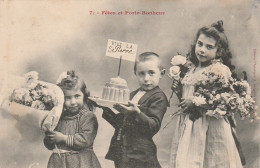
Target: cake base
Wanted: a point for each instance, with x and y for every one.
(106, 103)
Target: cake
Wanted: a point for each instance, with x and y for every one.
(116, 90)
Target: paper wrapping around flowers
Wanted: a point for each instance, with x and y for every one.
(43, 119)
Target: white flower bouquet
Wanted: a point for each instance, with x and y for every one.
(35, 102)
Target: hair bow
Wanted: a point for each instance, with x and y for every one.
(67, 80)
(218, 25)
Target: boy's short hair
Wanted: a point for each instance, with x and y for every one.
(147, 56)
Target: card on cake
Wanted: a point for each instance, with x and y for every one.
(116, 89)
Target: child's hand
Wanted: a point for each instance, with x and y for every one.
(56, 137)
(186, 103)
(132, 108)
(175, 85)
(47, 137)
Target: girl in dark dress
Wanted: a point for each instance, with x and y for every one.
(73, 138)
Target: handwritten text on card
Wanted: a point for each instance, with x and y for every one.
(118, 48)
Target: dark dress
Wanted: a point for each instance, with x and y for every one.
(132, 144)
(83, 128)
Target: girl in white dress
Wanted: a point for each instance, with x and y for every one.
(203, 141)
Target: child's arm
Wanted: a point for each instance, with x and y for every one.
(148, 120)
(151, 120)
(111, 117)
(88, 130)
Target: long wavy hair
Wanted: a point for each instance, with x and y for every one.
(223, 52)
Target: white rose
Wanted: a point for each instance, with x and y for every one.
(178, 60)
(174, 72)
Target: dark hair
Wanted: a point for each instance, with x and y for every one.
(223, 52)
(72, 81)
(145, 57)
(86, 93)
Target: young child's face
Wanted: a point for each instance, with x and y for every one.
(205, 48)
(73, 100)
(148, 74)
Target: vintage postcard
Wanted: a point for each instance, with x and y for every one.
(43, 41)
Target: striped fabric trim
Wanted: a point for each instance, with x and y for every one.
(83, 110)
(70, 140)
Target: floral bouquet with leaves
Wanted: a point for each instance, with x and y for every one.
(218, 96)
(34, 94)
(36, 102)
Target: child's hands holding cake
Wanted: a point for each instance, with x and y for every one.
(127, 109)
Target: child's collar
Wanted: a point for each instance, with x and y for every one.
(68, 115)
(141, 89)
(214, 61)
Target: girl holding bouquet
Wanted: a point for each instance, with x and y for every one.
(204, 137)
(73, 138)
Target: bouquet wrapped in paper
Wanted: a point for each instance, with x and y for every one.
(34, 102)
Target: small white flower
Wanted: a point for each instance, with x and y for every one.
(247, 97)
(220, 112)
(199, 100)
(19, 94)
(35, 95)
(37, 104)
(218, 96)
(214, 113)
(211, 101)
(210, 113)
(225, 97)
(247, 86)
(178, 60)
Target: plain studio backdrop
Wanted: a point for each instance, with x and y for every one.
(54, 36)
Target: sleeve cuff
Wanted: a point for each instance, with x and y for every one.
(138, 111)
(70, 140)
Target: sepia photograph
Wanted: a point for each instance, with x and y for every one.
(129, 84)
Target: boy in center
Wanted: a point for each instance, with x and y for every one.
(132, 145)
